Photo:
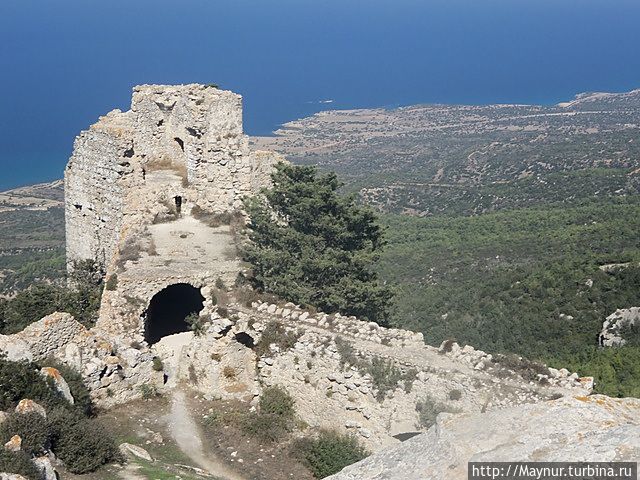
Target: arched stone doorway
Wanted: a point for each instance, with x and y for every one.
(168, 310)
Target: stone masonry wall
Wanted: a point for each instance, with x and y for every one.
(192, 133)
(343, 374)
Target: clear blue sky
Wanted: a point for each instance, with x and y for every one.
(64, 63)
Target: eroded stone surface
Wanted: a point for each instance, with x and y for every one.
(582, 429)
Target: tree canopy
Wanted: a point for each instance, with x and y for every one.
(312, 246)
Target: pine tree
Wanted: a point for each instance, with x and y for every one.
(312, 246)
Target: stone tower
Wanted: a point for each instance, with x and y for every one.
(141, 185)
(194, 131)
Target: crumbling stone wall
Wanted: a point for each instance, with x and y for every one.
(325, 366)
(191, 131)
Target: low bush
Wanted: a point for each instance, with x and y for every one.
(23, 380)
(130, 251)
(82, 444)
(196, 323)
(455, 395)
(277, 401)
(428, 410)
(149, 391)
(385, 375)
(275, 416)
(158, 366)
(32, 429)
(19, 463)
(528, 369)
(112, 282)
(329, 452)
(276, 333)
(79, 391)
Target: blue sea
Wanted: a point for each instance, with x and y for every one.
(64, 63)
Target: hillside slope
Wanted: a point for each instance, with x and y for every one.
(463, 159)
(31, 235)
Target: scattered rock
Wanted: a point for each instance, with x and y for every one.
(27, 406)
(60, 383)
(14, 444)
(46, 468)
(136, 451)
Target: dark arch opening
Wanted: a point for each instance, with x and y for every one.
(168, 310)
(178, 200)
(245, 339)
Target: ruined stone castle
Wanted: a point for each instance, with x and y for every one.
(147, 191)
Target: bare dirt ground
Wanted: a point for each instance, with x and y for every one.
(172, 429)
(186, 434)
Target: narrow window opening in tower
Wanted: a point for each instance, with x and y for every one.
(169, 309)
(180, 142)
(178, 200)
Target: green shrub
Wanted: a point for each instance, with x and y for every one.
(112, 282)
(312, 246)
(347, 353)
(528, 369)
(148, 391)
(385, 375)
(40, 300)
(32, 428)
(428, 410)
(196, 323)
(20, 380)
(276, 333)
(277, 401)
(329, 452)
(79, 391)
(19, 463)
(455, 395)
(275, 417)
(81, 443)
(158, 366)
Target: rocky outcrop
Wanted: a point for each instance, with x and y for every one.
(611, 334)
(595, 428)
(60, 383)
(135, 450)
(112, 368)
(345, 374)
(44, 337)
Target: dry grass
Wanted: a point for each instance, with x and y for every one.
(229, 372)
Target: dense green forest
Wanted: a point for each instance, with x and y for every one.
(525, 281)
(31, 248)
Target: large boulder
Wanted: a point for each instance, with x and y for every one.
(29, 406)
(595, 428)
(46, 468)
(136, 451)
(58, 380)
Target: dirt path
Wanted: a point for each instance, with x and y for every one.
(186, 434)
